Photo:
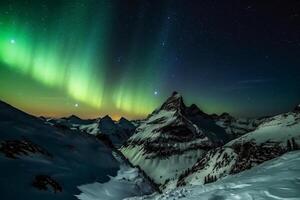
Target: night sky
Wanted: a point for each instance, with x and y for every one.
(125, 57)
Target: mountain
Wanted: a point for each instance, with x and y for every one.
(213, 131)
(171, 140)
(272, 138)
(272, 180)
(177, 149)
(117, 131)
(236, 127)
(68, 121)
(39, 161)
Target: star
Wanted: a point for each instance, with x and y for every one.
(155, 93)
(12, 41)
(119, 59)
(76, 105)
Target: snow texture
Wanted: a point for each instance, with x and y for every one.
(275, 179)
(127, 183)
(39, 161)
(275, 129)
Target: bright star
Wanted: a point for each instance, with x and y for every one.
(155, 93)
(12, 41)
(76, 105)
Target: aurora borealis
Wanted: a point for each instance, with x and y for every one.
(123, 58)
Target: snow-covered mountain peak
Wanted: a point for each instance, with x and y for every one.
(174, 102)
(171, 139)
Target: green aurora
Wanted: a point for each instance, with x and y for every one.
(56, 57)
(124, 58)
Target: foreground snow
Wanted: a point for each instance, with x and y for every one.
(275, 179)
(128, 183)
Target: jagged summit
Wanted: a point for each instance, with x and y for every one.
(174, 102)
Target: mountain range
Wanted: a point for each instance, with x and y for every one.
(176, 149)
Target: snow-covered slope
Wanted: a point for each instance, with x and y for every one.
(275, 179)
(272, 138)
(39, 161)
(236, 127)
(215, 164)
(129, 182)
(169, 141)
(277, 129)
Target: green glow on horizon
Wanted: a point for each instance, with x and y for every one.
(74, 61)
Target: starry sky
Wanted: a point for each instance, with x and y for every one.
(125, 57)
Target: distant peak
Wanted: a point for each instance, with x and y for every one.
(123, 119)
(194, 109)
(297, 108)
(73, 117)
(106, 117)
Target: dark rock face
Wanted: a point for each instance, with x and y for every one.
(251, 154)
(223, 158)
(107, 126)
(45, 182)
(193, 110)
(297, 109)
(214, 132)
(15, 148)
(127, 126)
(119, 132)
